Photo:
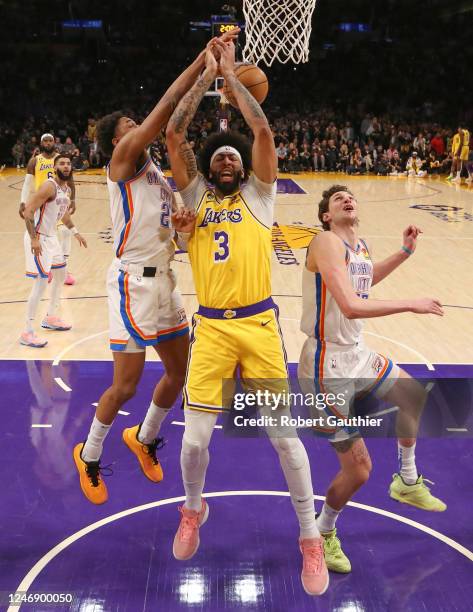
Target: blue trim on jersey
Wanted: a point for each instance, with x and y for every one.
(40, 272)
(117, 347)
(129, 327)
(383, 377)
(126, 212)
(171, 335)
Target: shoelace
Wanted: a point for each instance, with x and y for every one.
(150, 449)
(332, 543)
(94, 470)
(188, 525)
(313, 556)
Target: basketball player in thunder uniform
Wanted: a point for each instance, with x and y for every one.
(39, 169)
(236, 324)
(42, 249)
(337, 278)
(145, 308)
(460, 154)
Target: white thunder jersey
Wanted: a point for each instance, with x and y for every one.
(47, 216)
(141, 216)
(322, 319)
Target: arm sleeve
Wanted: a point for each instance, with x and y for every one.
(260, 198)
(193, 193)
(27, 185)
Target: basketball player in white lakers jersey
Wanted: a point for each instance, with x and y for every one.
(236, 325)
(145, 308)
(43, 252)
(40, 168)
(337, 278)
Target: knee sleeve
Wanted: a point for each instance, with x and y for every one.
(291, 451)
(199, 428)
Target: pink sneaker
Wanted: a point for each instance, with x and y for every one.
(314, 574)
(186, 540)
(55, 323)
(31, 339)
(69, 280)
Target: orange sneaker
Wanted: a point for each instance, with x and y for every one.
(314, 574)
(69, 280)
(145, 453)
(92, 485)
(186, 540)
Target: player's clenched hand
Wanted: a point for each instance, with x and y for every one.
(183, 220)
(211, 64)
(36, 247)
(227, 56)
(81, 240)
(427, 306)
(230, 35)
(409, 237)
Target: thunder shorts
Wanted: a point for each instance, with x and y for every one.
(51, 256)
(147, 310)
(353, 371)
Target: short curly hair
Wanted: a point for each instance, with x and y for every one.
(106, 131)
(323, 204)
(231, 139)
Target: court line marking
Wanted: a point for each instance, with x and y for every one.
(124, 412)
(62, 384)
(406, 346)
(38, 425)
(183, 424)
(65, 350)
(37, 568)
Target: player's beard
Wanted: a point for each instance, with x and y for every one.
(63, 177)
(49, 149)
(228, 188)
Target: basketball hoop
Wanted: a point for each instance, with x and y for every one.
(277, 30)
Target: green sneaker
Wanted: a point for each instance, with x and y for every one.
(335, 558)
(417, 495)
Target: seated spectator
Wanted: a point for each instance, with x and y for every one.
(414, 165)
(305, 158)
(282, 157)
(343, 157)
(433, 164)
(78, 161)
(18, 152)
(331, 156)
(318, 157)
(438, 145)
(357, 164)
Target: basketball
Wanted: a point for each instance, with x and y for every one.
(253, 78)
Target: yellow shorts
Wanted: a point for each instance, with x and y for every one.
(218, 347)
(464, 153)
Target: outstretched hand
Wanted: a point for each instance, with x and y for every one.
(409, 237)
(183, 220)
(227, 56)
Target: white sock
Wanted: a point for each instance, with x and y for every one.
(59, 275)
(152, 423)
(195, 455)
(94, 443)
(327, 518)
(194, 463)
(458, 174)
(407, 463)
(296, 468)
(39, 286)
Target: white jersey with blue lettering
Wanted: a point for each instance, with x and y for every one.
(47, 216)
(322, 318)
(141, 209)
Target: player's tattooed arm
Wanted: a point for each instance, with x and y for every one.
(183, 163)
(72, 186)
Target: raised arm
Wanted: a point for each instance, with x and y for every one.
(326, 255)
(381, 269)
(181, 155)
(264, 159)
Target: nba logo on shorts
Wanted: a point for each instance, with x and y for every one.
(181, 314)
(333, 363)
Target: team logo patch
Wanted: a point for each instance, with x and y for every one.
(333, 363)
(181, 315)
(378, 364)
(229, 314)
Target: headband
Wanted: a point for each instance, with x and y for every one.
(47, 135)
(226, 149)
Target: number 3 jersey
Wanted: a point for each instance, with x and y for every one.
(321, 315)
(140, 208)
(230, 249)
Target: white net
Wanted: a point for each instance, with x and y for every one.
(277, 30)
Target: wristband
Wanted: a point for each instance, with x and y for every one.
(406, 250)
(74, 230)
